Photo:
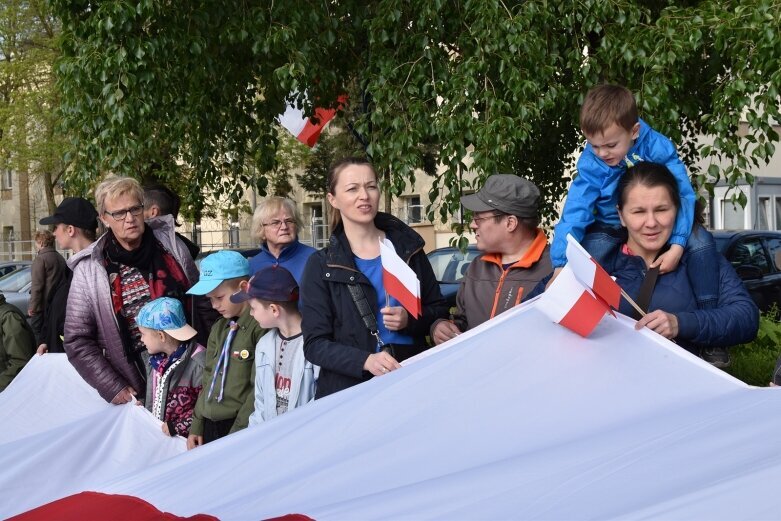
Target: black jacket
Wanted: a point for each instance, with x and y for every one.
(335, 336)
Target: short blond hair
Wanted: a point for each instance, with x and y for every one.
(268, 207)
(113, 187)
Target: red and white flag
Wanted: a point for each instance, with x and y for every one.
(399, 279)
(570, 303)
(590, 273)
(305, 129)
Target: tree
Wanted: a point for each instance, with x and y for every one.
(30, 138)
(480, 85)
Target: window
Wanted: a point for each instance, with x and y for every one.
(749, 252)
(774, 249)
(778, 213)
(763, 214)
(7, 180)
(732, 216)
(414, 209)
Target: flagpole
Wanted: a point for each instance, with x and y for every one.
(632, 303)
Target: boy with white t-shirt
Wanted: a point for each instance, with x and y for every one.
(284, 379)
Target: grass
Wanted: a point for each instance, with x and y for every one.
(754, 363)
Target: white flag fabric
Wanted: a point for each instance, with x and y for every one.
(59, 437)
(516, 419)
(400, 281)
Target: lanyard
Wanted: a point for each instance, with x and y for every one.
(222, 361)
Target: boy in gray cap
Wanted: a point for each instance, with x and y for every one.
(505, 220)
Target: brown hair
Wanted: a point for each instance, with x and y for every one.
(44, 238)
(333, 179)
(649, 175)
(290, 306)
(607, 104)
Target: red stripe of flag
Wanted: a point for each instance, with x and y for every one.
(605, 286)
(94, 505)
(584, 316)
(311, 131)
(399, 291)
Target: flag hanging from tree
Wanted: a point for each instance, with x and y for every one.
(308, 130)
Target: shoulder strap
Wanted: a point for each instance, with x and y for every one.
(365, 310)
(646, 291)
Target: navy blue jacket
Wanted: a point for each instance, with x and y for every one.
(293, 258)
(735, 319)
(335, 336)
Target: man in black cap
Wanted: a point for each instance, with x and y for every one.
(74, 221)
(505, 221)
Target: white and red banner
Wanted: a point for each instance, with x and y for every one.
(590, 273)
(399, 279)
(513, 419)
(570, 303)
(307, 130)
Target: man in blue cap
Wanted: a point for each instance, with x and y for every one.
(227, 397)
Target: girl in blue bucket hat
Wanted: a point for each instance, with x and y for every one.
(176, 361)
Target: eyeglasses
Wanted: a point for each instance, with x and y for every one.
(120, 215)
(276, 223)
(478, 220)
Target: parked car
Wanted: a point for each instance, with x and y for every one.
(450, 265)
(16, 288)
(756, 257)
(7, 267)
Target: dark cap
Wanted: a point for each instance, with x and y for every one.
(75, 211)
(272, 283)
(507, 193)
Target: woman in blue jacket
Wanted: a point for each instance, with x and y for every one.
(648, 203)
(337, 336)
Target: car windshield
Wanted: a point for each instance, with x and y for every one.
(450, 264)
(16, 281)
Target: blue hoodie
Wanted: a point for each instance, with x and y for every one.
(592, 196)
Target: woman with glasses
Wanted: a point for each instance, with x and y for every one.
(131, 264)
(352, 330)
(275, 223)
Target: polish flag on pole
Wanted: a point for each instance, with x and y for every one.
(569, 302)
(590, 273)
(305, 129)
(399, 280)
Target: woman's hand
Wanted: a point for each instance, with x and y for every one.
(668, 261)
(666, 324)
(395, 318)
(380, 363)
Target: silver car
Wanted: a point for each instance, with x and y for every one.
(16, 288)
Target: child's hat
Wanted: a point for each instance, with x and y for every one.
(272, 283)
(217, 267)
(166, 314)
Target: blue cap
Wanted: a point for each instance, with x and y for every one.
(166, 314)
(217, 267)
(272, 283)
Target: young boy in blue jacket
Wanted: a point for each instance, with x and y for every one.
(617, 138)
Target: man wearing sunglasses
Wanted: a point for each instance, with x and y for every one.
(505, 221)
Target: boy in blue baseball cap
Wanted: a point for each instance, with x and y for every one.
(227, 397)
(284, 379)
(175, 367)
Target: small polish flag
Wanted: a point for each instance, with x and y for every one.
(305, 129)
(568, 302)
(590, 273)
(399, 279)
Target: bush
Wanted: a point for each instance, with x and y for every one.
(755, 362)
